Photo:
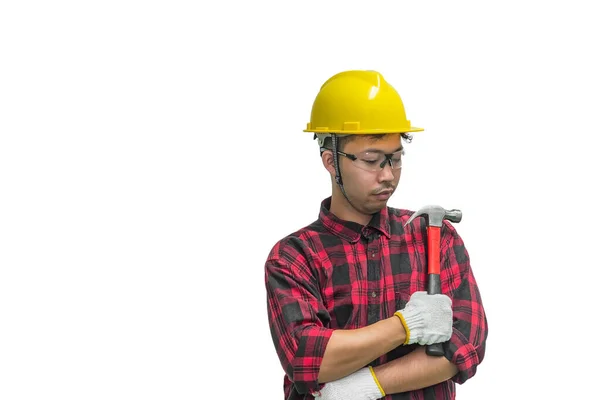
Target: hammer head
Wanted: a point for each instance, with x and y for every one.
(435, 215)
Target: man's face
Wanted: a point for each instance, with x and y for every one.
(369, 191)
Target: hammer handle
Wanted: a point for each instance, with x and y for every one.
(433, 250)
(434, 283)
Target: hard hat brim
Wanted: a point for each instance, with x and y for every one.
(366, 131)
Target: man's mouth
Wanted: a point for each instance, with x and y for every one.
(384, 194)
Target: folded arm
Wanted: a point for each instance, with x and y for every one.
(349, 350)
(462, 353)
(415, 370)
(310, 353)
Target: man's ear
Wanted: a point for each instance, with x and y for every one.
(327, 159)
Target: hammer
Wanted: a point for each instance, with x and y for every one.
(434, 216)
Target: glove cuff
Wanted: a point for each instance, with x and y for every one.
(362, 383)
(413, 324)
(377, 381)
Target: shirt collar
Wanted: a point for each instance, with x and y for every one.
(351, 231)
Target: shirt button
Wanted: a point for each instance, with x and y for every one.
(373, 294)
(373, 255)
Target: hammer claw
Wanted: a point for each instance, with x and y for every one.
(435, 215)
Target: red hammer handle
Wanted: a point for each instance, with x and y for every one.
(434, 284)
(433, 250)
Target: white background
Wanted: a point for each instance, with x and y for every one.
(151, 153)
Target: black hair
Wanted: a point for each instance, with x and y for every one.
(343, 140)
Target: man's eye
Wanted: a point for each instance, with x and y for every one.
(369, 161)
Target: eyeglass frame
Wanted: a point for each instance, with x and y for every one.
(388, 159)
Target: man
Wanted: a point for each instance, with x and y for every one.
(348, 311)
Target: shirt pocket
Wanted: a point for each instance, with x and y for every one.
(343, 299)
(344, 310)
(401, 294)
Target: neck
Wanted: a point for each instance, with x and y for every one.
(341, 208)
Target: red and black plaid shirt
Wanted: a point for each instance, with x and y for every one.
(336, 274)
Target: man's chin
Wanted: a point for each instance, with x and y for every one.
(375, 207)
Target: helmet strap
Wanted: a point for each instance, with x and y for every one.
(338, 175)
(334, 143)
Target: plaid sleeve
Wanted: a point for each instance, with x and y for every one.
(297, 317)
(466, 347)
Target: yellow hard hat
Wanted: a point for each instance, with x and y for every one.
(358, 102)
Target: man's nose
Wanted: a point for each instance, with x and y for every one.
(386, 173)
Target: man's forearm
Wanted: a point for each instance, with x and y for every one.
(349, 350)
(413, 371)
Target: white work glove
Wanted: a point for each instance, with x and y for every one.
(427, 318)
(360, 385)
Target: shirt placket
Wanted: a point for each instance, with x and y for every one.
(374, 291)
